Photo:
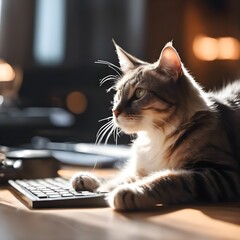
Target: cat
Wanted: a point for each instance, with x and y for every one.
(187, 145)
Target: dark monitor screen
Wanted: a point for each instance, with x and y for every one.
(68, 32)
(56, 42)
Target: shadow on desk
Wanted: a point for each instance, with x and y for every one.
(26, 225)
(228, 212)
(209, 221)
(215, 221)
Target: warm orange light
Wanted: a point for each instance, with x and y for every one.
(228, 48)
(205, 48)
(76, 102)
(209, 49)
(7, 73)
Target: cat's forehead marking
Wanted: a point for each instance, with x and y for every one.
(126, 91)
(129, 78)
(128, 86)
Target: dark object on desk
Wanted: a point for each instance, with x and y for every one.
(35, 164)
(55, 193)
(8, 168)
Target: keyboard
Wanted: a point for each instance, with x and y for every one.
(55, 193)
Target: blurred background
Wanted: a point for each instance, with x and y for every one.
(49, 83)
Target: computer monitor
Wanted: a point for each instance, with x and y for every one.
(56, 42)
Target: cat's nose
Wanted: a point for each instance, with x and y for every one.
(116, 113)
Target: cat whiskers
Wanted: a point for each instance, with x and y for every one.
(110, 65)
(110, 77)
(107, 130)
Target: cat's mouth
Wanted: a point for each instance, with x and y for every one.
(129, 124)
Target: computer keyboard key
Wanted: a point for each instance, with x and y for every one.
(55, 193)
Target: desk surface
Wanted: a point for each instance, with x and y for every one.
(213, 221)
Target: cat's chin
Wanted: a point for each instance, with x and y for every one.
(128, 131)
(128, 127)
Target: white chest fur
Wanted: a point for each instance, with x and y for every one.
(148, 153)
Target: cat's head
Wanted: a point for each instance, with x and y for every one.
(148, 94)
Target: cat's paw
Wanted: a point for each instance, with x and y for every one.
(84, 181)
(129, 197)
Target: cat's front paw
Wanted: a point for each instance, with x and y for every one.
(84, 181)
(129, 197)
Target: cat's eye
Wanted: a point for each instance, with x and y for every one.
(139, 93)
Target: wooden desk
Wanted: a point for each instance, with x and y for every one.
(17, 222)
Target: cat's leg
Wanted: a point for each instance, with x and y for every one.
(175, 187)
(145, 193)
(89, 182)
(136, 195)
(121, 179)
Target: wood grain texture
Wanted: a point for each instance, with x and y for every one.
(212, 221)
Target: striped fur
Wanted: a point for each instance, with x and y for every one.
(188, 141)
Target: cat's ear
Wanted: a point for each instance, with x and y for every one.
(170, 60)
(127, 61)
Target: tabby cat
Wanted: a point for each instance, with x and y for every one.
(187, 145)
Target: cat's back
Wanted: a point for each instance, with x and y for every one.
(229, 95)
(227, 102)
